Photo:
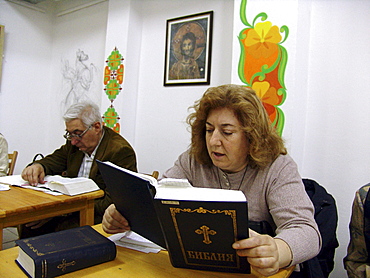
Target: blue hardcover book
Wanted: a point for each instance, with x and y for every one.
(62, 252)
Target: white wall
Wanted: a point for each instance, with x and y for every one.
(33, 88)
(336, 149)
(326, 107)
(161, 132)
(81, 30)
(144, 103)
(25, 87)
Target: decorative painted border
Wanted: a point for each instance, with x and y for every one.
(113, 79)
(263, 61)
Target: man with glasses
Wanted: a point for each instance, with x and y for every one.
(86, 140)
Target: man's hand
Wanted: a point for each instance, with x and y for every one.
(37, 224)
(113, 222)
(34, 174)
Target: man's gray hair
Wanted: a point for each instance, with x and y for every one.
(87, 112)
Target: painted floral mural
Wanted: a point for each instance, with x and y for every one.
(262, 63)
(113, 79)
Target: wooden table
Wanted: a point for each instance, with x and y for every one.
(22, 205)
(128, 263)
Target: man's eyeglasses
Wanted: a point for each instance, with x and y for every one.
(70, 136)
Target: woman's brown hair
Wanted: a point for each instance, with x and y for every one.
(265, 144)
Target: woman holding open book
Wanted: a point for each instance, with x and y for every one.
(234, 146)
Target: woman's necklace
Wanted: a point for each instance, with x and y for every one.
(227, 181)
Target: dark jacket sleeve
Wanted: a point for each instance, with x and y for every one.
(116, 149)
(65, 161)
(356, 260)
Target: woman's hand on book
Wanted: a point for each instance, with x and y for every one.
(264, 253)
(113, 222)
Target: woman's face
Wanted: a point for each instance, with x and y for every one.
(227, 144)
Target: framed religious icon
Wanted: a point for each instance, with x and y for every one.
(188, 50)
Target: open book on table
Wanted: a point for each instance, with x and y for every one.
(196, 225)
(55, 183)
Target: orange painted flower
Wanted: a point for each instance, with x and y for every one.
(266, 93)
(268, 96)
(117, 127)
(263, 61)
(262, 40)
(120, 72)
(107, 75)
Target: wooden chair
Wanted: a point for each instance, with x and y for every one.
(12, 160)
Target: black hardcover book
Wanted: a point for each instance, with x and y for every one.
(200, 232)
(132, 193)
(198, 225)
(62, 252)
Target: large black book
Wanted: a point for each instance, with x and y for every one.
(62, 252)
(196, 225)
(133, 198)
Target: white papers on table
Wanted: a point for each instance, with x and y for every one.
(4, 187)
(135, 241)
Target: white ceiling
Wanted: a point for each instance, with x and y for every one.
(32, 1)
(59, 7)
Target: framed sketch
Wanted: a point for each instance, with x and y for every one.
(2, 35)
(188, 50)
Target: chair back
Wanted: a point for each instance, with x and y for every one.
(12, 160)
(326, 217)
(155, 174)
